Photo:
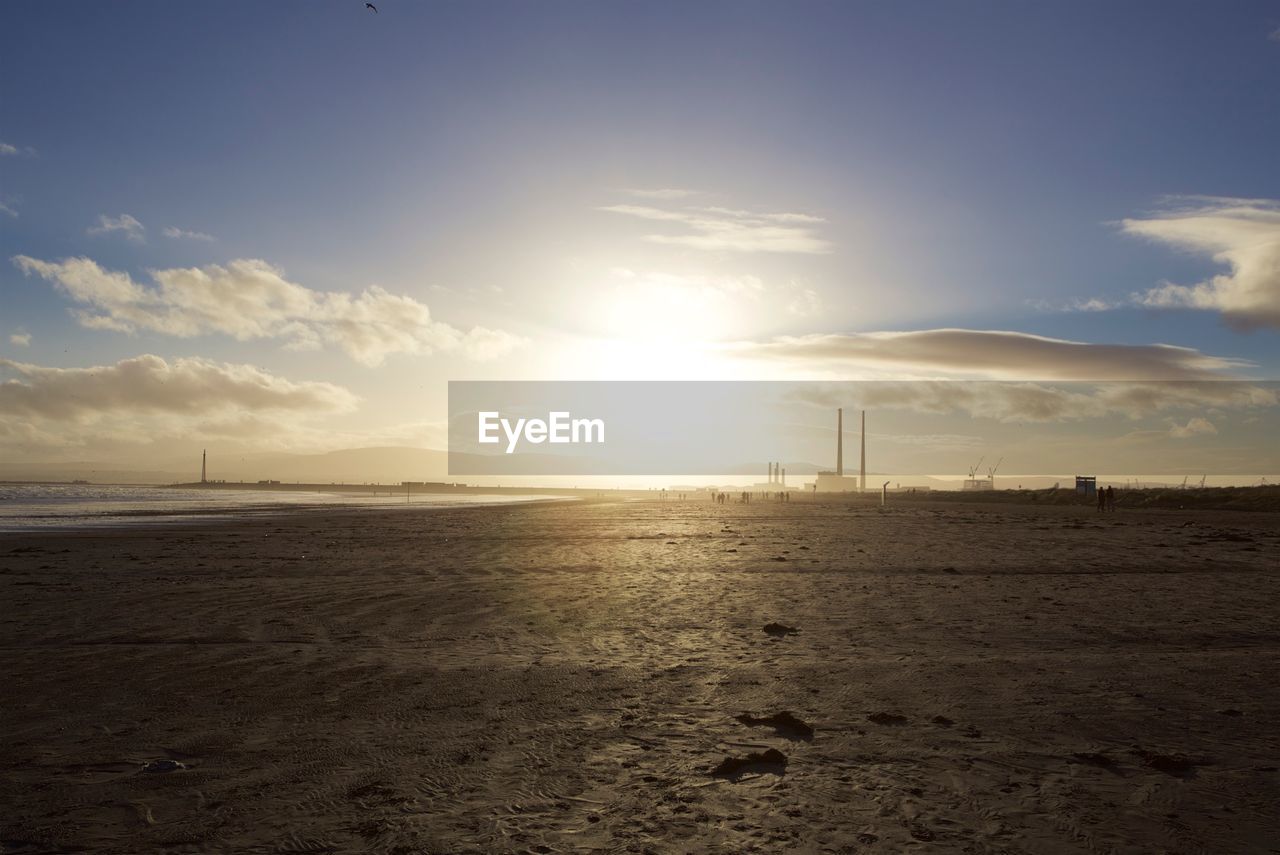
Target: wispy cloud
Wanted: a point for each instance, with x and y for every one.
(1274, 35)
(9, 150)
(250, 299)
(1194, 427)
(1078, 304)
(6, 207)
(125, 224)
(652, 282)
(1241, 234)
(730, 230)
(991, 353)
(804, 301)
(178, 234)
(20, 338)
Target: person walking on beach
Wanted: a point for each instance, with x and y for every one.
(1111, 498)
(1102, 501)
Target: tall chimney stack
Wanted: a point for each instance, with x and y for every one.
(840, 441)
(862, 476)
(204, 462)
(784, 479)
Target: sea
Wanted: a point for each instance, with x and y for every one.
(37, 507)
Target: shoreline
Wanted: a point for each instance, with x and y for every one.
(339, 513)
(167, 519)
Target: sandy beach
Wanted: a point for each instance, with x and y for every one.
(597, 677)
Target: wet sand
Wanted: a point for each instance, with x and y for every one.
(597, 678)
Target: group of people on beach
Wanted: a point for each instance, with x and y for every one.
(1107, 500)
(744, 498)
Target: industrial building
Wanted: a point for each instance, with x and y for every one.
(776, 482)
(837, 481)
(976, 483)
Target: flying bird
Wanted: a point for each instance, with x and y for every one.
(371, 6)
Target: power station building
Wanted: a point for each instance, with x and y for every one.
(776, 483)
(837, 481)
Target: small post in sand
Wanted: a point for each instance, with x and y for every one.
(884, 494)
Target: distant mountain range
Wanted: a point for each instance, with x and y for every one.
(389, 465)
(395, 464)
(386, 465)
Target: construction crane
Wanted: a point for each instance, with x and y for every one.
(1184, 481)
(974, 470)
(1202, 477)
(991, 473)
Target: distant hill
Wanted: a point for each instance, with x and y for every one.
(354, 465)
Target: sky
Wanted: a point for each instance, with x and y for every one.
(287, 225)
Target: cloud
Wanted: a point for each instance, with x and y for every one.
(804, 301)
(935, 441)
(1041, 402)
(250, 299)
(177, 233)
(730, 230)
(992, 353)
(483, 344)
(8, 150)
(20, 339)
(126, 224)
(1194, 427)
(148, 384)
(651, 283)
(1092, 304)
(1274, 35)
(1241, 234)
(148, 401)
(7, 208)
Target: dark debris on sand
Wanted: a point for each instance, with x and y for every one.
(1093, 758)
(780, 630)
(771, 761)
(887, 718)
(1176, 765)
(784, 723)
